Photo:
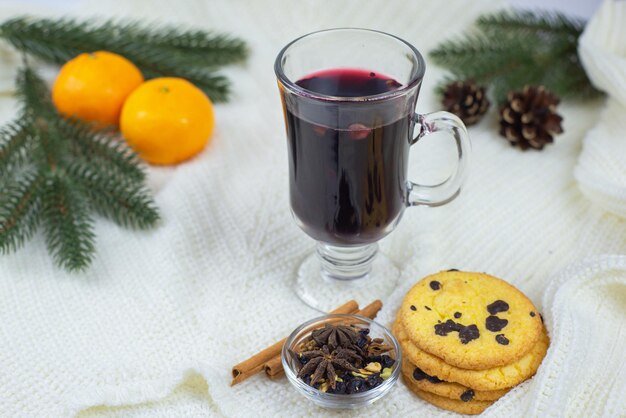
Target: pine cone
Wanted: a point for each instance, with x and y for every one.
(528, 119)
(466, 100)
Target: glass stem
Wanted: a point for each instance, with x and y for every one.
(346, 263)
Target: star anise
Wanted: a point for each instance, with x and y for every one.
(335, 336)
(322, 364)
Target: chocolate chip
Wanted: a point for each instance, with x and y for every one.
(467, 396)
(435, 285)
(501, 339)
(541, 316)
(457, 315)
(419, 374)
(453, 270)
(447, 327)
(498, 306)
(495, 324)
(532, 314)
(413, 308)
(466, 333)
(372, 74)
(427, 308)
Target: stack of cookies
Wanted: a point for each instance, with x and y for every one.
(467, 339)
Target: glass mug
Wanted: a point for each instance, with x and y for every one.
(349, 99)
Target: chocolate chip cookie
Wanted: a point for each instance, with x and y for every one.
(470, 320)
(470, 407)
(433, 384)
(490, 379)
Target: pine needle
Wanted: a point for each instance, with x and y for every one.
(157, 50)
(69, 228)
(531, 21)
(19, 210)
(14, 147)
(116, 197)
(103, 148)
(514, 48)
(58, 172)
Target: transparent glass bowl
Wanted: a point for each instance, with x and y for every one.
(334, 400)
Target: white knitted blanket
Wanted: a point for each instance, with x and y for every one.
(154, 326)
(601, 172)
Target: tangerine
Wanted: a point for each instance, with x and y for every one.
(93, 87)
(167, 120)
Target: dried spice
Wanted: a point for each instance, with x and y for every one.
(322, 364)
(335, 335)
(343, 359)
(378, 348)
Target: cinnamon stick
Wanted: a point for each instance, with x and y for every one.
(254, 364)
(274, 367)
(371, 310)
(278, 373)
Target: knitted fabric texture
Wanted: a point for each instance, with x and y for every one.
(601, 172)
(153, 328)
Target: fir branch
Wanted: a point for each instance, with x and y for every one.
(515, 79)
(69, 228)
(530, 21)
(33, 95)
(103, 148)
(567, 75)
(115, 197)
(157, 50)
(58, 40)
(72, 170)
(480, 55)
(514, 49)
(217, 87)
(204, 49)
(19, 211)
(14, 147)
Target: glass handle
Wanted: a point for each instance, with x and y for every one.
(446, 191)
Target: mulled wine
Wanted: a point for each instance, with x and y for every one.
(347, 158)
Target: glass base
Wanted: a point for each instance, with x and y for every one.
(334, 275)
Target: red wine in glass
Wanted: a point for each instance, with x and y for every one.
(347, 168)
